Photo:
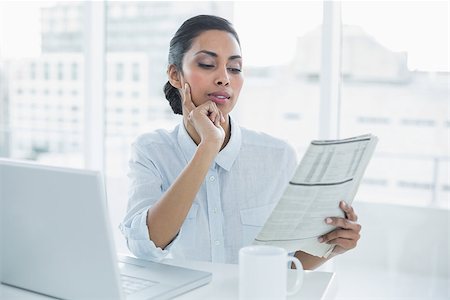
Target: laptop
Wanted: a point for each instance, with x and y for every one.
(57, 241)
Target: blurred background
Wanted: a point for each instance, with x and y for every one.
(80, 80)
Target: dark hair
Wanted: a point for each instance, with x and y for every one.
(182, 42)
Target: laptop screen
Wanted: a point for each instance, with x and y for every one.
(55, 232)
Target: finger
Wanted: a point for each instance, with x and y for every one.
(216, 109)
(222, 118)
(348, 210)
(213, 116)
(187, 98)
(344, 243)
(217, 121)
(213, 111)
(339, 233)
(343, 223)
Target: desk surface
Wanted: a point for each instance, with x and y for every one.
(225, 281)
(224, 284)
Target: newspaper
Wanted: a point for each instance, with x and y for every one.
(330, 171)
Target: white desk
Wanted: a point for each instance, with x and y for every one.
(224, 284)
(225, 281)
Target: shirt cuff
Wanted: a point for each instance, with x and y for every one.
(139, 242)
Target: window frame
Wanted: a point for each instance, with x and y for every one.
(94, 85)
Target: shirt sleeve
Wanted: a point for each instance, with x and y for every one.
(145, 188)
(291, 161)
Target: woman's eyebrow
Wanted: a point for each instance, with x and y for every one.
(213, 54)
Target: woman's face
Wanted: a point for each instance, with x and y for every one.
(212, 68)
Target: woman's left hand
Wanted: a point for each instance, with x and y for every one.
(346, 235)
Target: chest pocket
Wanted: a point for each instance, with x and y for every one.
(188, 229)
(253, 220)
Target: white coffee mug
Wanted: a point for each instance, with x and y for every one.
(263, 273)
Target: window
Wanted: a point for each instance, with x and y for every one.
(395, 85)
(281, 91)
(387, 88)
(74, 71)
(119, 72)
(33, 71)
(60, 71)
(135, 72)
(34, 117)
(46, 71)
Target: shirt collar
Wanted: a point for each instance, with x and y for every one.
(226, 156)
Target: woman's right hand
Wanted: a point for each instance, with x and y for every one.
(205, 119)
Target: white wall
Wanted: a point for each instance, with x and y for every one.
(401, 238)
(403, 253)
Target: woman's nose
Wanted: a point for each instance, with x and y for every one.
(222, 78)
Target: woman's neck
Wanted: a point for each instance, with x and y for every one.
(196, 137)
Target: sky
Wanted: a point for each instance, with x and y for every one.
(420, 28)
(19, 29)
(268, 30)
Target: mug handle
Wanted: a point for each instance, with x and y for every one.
(299, 280)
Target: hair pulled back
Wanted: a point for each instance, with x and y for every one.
(181, 42)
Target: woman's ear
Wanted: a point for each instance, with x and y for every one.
(174, 76)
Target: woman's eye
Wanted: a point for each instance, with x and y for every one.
(206, 66)
(235, 70)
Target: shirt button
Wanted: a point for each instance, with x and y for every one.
(215, 210)
(212, 178)
(217, 243)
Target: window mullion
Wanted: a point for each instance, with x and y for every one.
(94, 85)
(330, 71)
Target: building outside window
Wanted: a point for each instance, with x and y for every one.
(396, 86)
(38, 124)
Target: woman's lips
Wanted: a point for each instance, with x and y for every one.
(219, 97)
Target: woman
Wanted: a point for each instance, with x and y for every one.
(204, 190)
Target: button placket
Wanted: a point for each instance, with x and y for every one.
(215, 221)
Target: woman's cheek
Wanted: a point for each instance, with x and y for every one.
(197, 84)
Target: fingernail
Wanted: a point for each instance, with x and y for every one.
(320, 239)
(328, 220)
(186, 86)
(344, 204)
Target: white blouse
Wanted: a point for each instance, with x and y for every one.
(242, 186)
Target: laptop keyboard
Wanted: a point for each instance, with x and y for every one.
(132, 284)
